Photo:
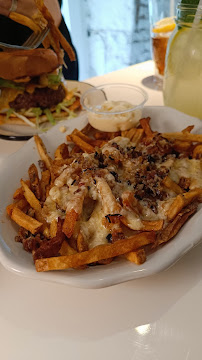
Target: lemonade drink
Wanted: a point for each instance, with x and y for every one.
(183, 73)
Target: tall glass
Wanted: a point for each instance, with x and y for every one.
(161, 14)
(183, 73)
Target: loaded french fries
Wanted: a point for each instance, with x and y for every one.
(106, 195)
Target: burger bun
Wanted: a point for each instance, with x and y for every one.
(21, 63)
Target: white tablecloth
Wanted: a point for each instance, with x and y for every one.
(155, 318)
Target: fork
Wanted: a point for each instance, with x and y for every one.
(32, 42)
(35, 39)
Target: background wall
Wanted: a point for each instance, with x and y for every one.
(108, 34)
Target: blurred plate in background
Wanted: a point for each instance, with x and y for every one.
(24, 132)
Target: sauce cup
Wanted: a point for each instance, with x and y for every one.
(114, 107)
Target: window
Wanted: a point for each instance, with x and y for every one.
(108, 35)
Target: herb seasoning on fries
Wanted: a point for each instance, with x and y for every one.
(106, 195)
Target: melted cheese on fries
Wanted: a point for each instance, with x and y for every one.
(188, 168)
(106, 195)
(119, 169)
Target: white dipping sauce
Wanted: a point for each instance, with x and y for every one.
(114, 122)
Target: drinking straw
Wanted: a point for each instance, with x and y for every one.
(198, 15)
(172, 8)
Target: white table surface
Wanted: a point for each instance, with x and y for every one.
(155, 318)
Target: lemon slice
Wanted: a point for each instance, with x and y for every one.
(164, 25)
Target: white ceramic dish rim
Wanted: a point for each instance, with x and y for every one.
(15, 259)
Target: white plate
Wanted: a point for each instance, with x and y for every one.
(14, 258)
(23, 130)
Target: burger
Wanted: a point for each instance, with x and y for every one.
(32, 90)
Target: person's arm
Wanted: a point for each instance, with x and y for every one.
(28, 8)
(5, 6)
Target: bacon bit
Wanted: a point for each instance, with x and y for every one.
(109, 238)
(112, 218)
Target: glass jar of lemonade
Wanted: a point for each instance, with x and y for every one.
(182, 87)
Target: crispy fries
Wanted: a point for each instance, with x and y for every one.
(152, 225)
(84, 146)
(137, 136)
(51, 247)
(75, 208)
(82, 245)
(38, 22)
(25, 221)
(137, 257)
(66, 249)
(105, 195)
(19, 193)
(35, 204)
(172, 185)
(181, 201)
(44, 183)
(55, 37)
(175, 225)
(197, 152)
(24, 20)
(42, 151)
(62, 152)
(109, 203)
(70, 222)
(20, 204)
(34, 181)
(183, 136)
(30, 197)
(128, 133)
(98, 253)
(182, 146)
(147, 129)
(53, 228)
(86, 139)
(188, 129)
(82, 136)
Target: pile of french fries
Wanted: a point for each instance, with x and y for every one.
(61, 243)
